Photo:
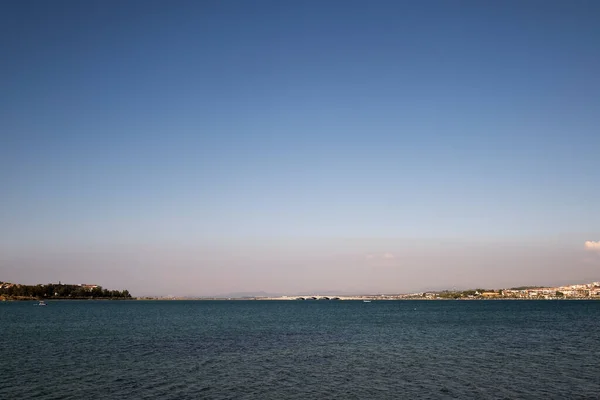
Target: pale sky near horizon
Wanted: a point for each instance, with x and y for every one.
(211, 147)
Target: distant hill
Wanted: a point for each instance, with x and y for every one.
(527, 287)
(239, 295)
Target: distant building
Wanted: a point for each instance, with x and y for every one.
(489, 294)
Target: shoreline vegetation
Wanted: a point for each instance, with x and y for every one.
(17, 292)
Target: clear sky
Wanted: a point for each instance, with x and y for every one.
(205, 147)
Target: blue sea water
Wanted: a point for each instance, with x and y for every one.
(300, 350)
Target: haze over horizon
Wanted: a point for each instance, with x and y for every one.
(201, 148)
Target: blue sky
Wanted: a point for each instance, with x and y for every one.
(170, 125)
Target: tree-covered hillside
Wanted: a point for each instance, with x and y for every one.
(60, 291)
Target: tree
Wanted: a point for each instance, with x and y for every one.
(97, 291)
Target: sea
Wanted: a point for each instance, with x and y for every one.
(300, 350)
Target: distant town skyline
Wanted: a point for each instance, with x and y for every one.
(199, 148)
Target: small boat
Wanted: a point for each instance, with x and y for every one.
(41, 303)
(366, 301)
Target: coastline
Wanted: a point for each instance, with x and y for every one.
(355, 299)
(25, 298)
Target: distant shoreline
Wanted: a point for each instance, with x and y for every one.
(21, 298)
(25, 299)
(585, 291)
(358, 299)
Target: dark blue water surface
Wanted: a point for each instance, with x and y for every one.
(300, 350)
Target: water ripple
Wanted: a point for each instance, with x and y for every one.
(294, 350)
